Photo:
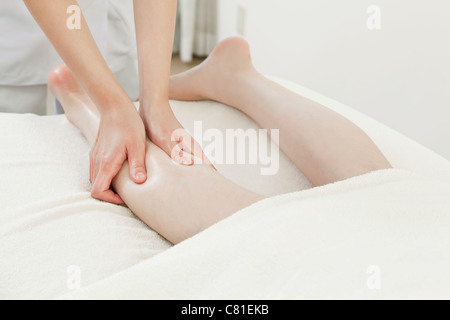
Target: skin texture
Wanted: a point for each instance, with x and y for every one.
(122, 131)
(180, 201)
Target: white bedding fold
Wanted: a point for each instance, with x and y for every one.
(312, 243)
(318, 243)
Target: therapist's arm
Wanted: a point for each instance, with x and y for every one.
(155, 29)
(122, 133)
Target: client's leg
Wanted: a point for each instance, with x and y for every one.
(176, 201)
(325, 146)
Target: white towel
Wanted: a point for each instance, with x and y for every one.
(51, 230)
(384, 235)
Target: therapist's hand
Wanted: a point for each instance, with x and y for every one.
(121, 136)
(167, 133)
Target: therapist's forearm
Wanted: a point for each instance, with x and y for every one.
(80, 52)
(155, 28)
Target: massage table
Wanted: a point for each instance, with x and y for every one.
(384, 235)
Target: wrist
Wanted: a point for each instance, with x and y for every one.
(154, 92)
(108, 96)
(155, 106)
(114, 105)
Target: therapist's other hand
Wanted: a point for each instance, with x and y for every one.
(167, 133)
(121, 136)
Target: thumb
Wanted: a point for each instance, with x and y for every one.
(136, 163)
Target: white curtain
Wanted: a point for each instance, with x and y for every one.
(196, 28)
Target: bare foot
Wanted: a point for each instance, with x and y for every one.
(66, 88)
(214, 79)
(78, 106)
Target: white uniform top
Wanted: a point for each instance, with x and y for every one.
(26, 55)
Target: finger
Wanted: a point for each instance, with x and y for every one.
(96, 161)
(102, 186)
(187, 143)
(136, 162)
(194, 148)
(91, 164)
(180, 135)
(109, 196)
(181, 157)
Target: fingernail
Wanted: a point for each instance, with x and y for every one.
(140, 176)
(187, 162)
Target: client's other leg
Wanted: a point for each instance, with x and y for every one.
(176, 201)
(324, 145)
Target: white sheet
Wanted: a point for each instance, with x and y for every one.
(383, 235)
(48, 222)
